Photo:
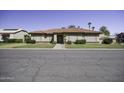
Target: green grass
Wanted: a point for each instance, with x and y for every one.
(23, 45)
(94, 45)
(10, 45)
(46, 45)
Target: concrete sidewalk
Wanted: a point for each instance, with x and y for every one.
(59, 46)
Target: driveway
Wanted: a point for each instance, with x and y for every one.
(61, 65)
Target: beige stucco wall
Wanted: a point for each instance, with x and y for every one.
(101, 37)
(73, 37)
(67, 37)
(89, 38)
(1, 38)
(55, 37)
(41, 38)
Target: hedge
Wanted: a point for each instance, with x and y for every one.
(83, 41)
(31, 41)
(14, 41)
(107, 41)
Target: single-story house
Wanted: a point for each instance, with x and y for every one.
(65, 34)
(13, 33)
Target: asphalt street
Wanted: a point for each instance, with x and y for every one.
(21, 65)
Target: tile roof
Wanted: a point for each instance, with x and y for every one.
(65, 30)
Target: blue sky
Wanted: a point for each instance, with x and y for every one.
(46, 19)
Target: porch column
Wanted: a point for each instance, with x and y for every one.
(55, 38)
(97, 38)
(0, 37)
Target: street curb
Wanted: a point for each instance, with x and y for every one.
(59, 49)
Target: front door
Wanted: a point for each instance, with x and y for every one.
(60, 39)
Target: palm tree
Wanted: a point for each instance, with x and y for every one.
(93, 28)
(89, 24)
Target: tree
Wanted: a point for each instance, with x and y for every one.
(63, 27)
(5, 37)
(78, 27)
(93, 28)
(104, 30)
(89, 24)
(71, 26)
(27, 38)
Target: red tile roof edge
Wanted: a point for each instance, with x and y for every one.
(70, 30)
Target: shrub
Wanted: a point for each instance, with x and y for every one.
(5, 37)
(31, 41)
(5, 41)
(83, 41)
(19, 40)
(1, 41)
(68, 42)
(118, 40)
(27, 38)
(107, 41)
(13, 41)
(53, 42)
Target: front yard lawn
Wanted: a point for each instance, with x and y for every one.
(24, 45)
(10, 45)
(94, 45)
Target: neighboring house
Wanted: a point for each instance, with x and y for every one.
(65, 34)
(113, 37)
(121, 37)
(13, 33)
